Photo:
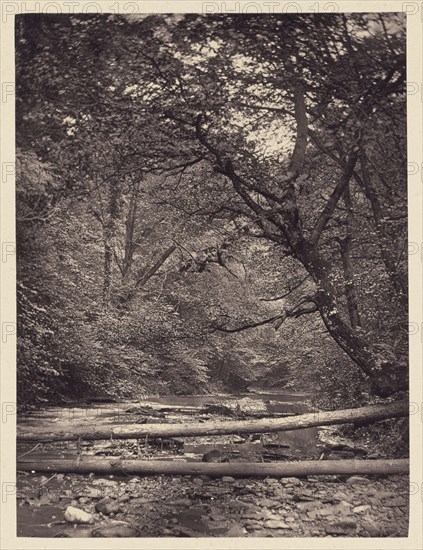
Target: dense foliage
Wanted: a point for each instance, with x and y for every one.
(208, 202)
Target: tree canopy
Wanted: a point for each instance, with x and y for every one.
(211, 199)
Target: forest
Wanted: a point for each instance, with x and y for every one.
(211, 204)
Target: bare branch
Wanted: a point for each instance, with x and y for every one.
(249, 325)
(298, 154)
(142, 280)
(291, 289)
(331, 204)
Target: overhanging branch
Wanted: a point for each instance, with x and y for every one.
(333, 200)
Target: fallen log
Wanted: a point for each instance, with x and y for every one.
(234, 469)
(133, 431)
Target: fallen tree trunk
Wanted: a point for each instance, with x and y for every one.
(234, 469)
(372, 413)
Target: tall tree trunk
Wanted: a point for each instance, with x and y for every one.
(386, 376)
(398, 281)
(130, 231)
(345, 245)
(109, 231)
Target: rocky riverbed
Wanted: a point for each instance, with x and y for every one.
(71, 505)
(187, 506)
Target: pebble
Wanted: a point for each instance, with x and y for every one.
(372, 529)
(394, 502)
(107, 506)
(342, 496)
(275, 524)
(75, 515)
(346, 503)
(197, 481)
(181, 502)
(363, 508)
(358, 480)
(308, 505)
(235, 531)
(104, 482)
(269, 503)
(250, 515)
(136, 480)
(228, 479)
(115, 531)
(290, 481)
(344, 527)
(93, 492)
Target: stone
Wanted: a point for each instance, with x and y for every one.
(213, 456)
(182, 502)
(198, 481)
(76, 515)
(371, 528)
(346, 504)
(104, 482)
(373, 501)
(228, 479)
(344, 527)
(358, 480)
(290, 519)
(134, 480)
(394, 502)
(308, 505)
(386, 494)
(218, 517)
(235, 531)
(314, 514)
(340, 509)
(291, 481)
(305, 497)
(360, 509)
(269, 503)
(250, 515)
(276, 524)
(340, 495)
(253, 525)
(93, 492)
(107, 506)
(116, 531)
(143, 500)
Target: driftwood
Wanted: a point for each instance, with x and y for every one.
(234, 469)
(370, 413)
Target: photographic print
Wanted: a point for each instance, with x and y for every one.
(212, 275)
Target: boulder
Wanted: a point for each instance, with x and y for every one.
(107, 506)
(76, 515)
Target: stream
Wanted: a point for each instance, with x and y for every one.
(40, 513)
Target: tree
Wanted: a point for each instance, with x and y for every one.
(189, 147)
(338, 101)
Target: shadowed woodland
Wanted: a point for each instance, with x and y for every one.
(211, 204)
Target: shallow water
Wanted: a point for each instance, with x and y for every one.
(37, 518)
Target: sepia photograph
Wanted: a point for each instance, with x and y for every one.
(212, 275)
